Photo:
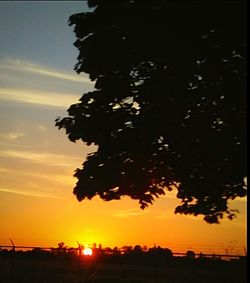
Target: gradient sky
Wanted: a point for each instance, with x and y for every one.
(37, 207)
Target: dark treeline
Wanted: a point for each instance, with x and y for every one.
(106, 265)
(128, 254)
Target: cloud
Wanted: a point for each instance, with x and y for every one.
(38, 97)
(43, 158)
(127, 213)
(11, 136)
(27, 82)
(29, 193)
(41, 127)
(67, 179)
(26, 66)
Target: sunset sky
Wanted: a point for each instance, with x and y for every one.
(37, 206)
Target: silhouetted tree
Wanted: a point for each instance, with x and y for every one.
(190, 254)
(127, 249)
(61, 247)
(168, 253)
(169, 109)
(137, 249)
(116, 250)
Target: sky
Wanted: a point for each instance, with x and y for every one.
(37, 161)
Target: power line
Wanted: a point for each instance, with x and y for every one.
(174, 253)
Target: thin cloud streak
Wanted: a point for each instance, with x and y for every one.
(26, 66)
(66, 179)
(29, 194)
(37, 97)
(127, 213)
(11, 136)
(44, 158)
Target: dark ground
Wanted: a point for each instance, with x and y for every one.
(22, 268)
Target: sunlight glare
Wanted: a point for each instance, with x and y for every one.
(87, 251)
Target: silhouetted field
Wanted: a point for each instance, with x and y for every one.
(48, 268)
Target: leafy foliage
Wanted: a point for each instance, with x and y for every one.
(169, 106)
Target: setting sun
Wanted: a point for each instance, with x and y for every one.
(87, 251)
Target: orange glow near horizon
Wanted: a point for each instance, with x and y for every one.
(116, 223)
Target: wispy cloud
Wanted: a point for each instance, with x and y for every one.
(26, 66)
(44, 158)
(38, 97)
(29, 193)
(169, 215)
(127, 213)
(66, 179)
(11, 136)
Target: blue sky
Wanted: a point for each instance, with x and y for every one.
(37, 84)
(39, 31)
(37, 45)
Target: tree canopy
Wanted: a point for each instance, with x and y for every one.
(169, 105)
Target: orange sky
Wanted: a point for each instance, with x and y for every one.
(37, 161)
(44, 221)
(37, 206)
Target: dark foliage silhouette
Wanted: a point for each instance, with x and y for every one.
(169, 105)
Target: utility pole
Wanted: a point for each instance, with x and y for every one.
(12, 262)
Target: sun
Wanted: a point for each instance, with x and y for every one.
(87, 251)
